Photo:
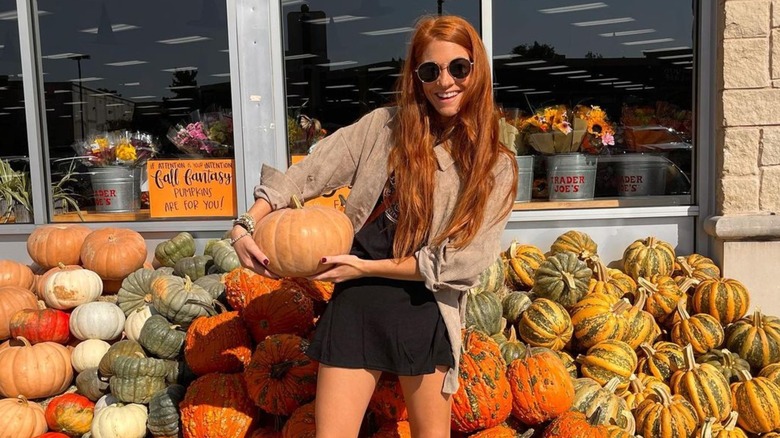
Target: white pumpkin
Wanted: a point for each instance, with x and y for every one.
(135, 321)
(87, 354)
(120, 421)
(105, 401)
(67, 289)
(97, 320)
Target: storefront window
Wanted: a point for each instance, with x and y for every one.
(138, 109)
(598, 100)
(15, 194)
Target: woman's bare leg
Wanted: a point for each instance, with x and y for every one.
(429, 408)
(342, 398)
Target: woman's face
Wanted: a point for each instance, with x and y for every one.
(445, 93)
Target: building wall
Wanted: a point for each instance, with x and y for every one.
(746, 229)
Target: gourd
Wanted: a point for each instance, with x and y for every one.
(491, 279)
(728, 363)
(545, 324)
(125, 347)
(225, 257)
(135, 321)
(193, 267)
(663, 294)
(213, 284)
(771, 372)
(521, 262)
(598, 317)
(648, 257)
(590, 396)
(90, 385)
(50, 245)
(40, 325)
(726, 299)
(34, 371)
(12, 300)
(24, 417)
(170, 251)
(665, 415)
(179, 299)
(120, 421)
(541, 387)
(513, 305)
(280, 377)
(712, 429)
(562, 278)
(70, 414)
(757, 401)
(483, 312)
(484, 397)
(67, 289)
(161, 338)
(136, 378)
(164, 419)
(640, 386)
(610, 281)
(296, 239)
(512, 348)
(217, 405)
(218, 343)
(756, 339)
(136, 289)
(696, 266)
(703, 386)
(113, 253)
(641, 327)
(97, 320)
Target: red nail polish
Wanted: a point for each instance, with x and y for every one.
(266, 262)
(323, 260)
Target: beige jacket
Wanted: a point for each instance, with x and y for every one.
(357, 156)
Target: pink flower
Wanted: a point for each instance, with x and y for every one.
(608, 139)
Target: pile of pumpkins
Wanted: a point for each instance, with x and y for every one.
(103, 343)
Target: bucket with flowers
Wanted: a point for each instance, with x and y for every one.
(116, 160)
(207, 135)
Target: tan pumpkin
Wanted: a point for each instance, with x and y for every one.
(40, 282)
(12, 300)
(50, 245)
(757, 401)
(67, 289)
(34, 371)
(296, 239)
(704, 386)
(702, 331)
(648, 257)
(13, 273)
(120, 421)
(135, 321)
(87, 354)
(22, 418)
(113, 253)
(726, 299)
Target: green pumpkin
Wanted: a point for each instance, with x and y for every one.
(491, 279)
(729, 364)
(225, 257)
(193, 267)
(483, 312)
(562, 278)
(179, 372)
(589, 396)
(164, 419)
(136, 290)
(514, 304)
(179, 299)
(136, 378)
(90, 385)
(213, 284)
(178, 247)
(161, 338)
(125, 347)
(512, 348)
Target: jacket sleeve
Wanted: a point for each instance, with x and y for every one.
(331, 165)
(445, 267)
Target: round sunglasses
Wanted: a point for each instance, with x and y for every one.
(459, 69)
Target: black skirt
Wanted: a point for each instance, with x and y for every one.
(379, 323)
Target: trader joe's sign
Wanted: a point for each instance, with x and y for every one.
(192, 188)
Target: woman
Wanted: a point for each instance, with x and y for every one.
(431, 193)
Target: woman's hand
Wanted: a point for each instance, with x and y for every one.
(343, 268)
(249, 253)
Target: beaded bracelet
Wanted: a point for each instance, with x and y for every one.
(245, 221)
(236, 239)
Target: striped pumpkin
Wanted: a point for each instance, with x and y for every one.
(640, 386)
(520, 262)
(696, 266)
(771, 372)
(491, 279)
(703, 386)
(589, 396)
(610, 281)
(663, 294)
(484, 398)
(568, 362)
(541, 387)
(545, 324)
(514, 304)
(756, 339)
(726, 362)
(757, 401)
(608, 359)
(702, 331)
(724, 298)
(512, 348)
(575, 242)
(562, 278)
(665, 415)
(598, 317)
(661, 359)
(713, 429)
(483, 312)
(640, 324)
(648, 257)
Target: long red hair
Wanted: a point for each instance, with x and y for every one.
(473, 135)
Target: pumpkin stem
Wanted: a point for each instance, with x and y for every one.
(647, 349)
(278, 370)
(731, 421)
(682, 310)
(646, 285)
(296, 202)
(690, 359)
(744, 375)
(706, 428)
(24, 341)
(207, 307)
(621, 306)
(650, 242)
(757, 320)
(641, 299)
(728, 358)
(637, 387)
(688, 283)
(613, 383)
(663, 394)
(568, 278)
(685, 267)
(219, 306)
(600, 270)
(22, 400)
(528, 433)
(513, 334)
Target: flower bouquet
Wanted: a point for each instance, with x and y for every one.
(557, 129)
(117, 148)
(600, 132)
(207, 135)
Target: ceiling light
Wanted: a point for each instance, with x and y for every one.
(388, 31)
(512, 64)
(387, 67)
(683, 62)
(603, 22)
(573, 8)
(114, 28)
(549, 67)
(299, 56)
(686, 55)
(146, 106)
(115, 104)
(69, 103)
(571, 72)
(67, 55)
(175, 69)
(627, 33)
(538, 92)
(179, 99)
(300, 83)
(333, 87)
(621, 83)
(142, 97)
(506, 56)
(61, 91)
(131, 84)
(521, 90)
(580, 77)
(89, 79)
(184, 40)
(602, 80)
(101, 94)
(182, 87)
(150, 114)
(126, 63)
(221, 75)
(656, 41)
(337, 63)
(666, 49)
(178, 108)
(505, 87)
(627, 85)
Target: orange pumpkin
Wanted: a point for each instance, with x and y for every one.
(541, 387)
(242, 285)
(400, 429)
(50, 245)
(34, 371)
(296, 239)
(314, 289)
(113, 253)
(70, 414)
(285, 310)
(574, 424)
(217, 405)
(387, 401)
(13, 273)
(500, 431)
(22, 418)
(12, 300)
(301, 423)
(218, 343)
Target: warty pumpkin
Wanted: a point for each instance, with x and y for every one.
(756, 339)
(34, 371)
(40, 325)
(574, 424)
(296, 239)
(285, 310)
(648, 257)
(501, 431)
(726, 299)
(314, 289)
(608, 359)
(50, 245)
(280, 377)
(170, 251)
(484, 398)
(545, 324)
(541, 387)
(757, 401)
(70, 413)
(661, 359)
(520, 264)
(218, 343)
(12, 300)
(703, 386)
(713, 429)
(164, 419)
(113, 253)
(665, 415)
(24, 417)
(215, 406)
(562, 278)
(387, 401)
(396, 429)
(242, 285)
(301, 423)
(702, 331)
(120, 421)
(13, 273)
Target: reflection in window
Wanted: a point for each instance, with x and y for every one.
(15, 193)
(612, 80)
(124, 86)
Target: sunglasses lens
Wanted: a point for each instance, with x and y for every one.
(428, 72)
(459, 68)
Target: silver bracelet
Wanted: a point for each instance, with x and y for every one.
(245, 221)
(236, 239)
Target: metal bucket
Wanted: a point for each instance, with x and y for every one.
(571, 177)
(525, 177)
(641, 174)
(115, 188)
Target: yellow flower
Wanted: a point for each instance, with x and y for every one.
(102, 143)
(125, 152)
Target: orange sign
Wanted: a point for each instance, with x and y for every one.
(192, 188)
(333, 199)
